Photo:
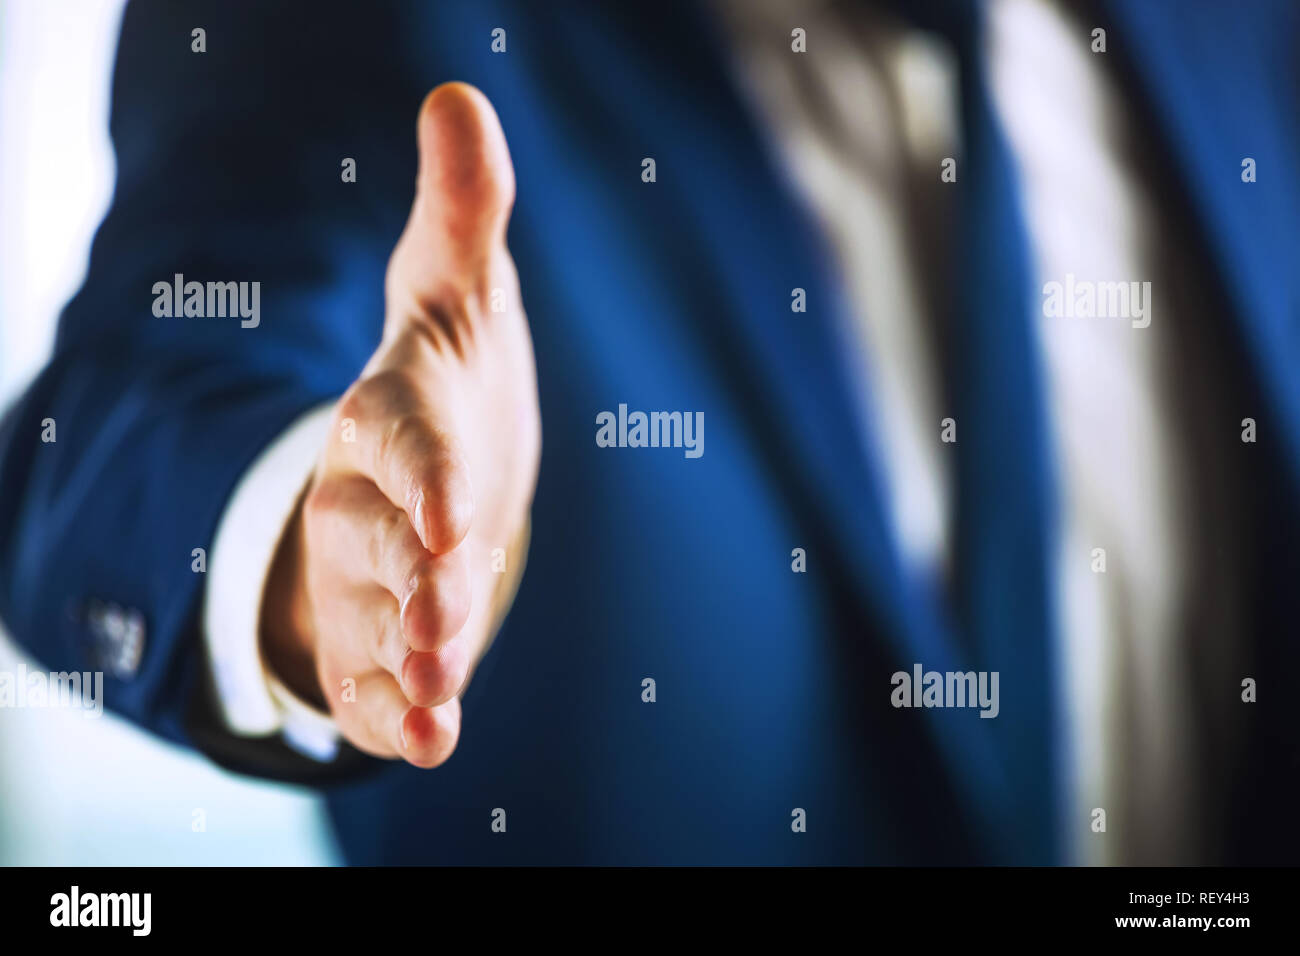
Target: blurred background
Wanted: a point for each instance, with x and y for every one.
(64, 798)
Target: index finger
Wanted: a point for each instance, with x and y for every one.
(416, 464)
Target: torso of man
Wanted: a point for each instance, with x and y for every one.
(862, 122)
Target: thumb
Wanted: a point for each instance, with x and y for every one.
(465, 187)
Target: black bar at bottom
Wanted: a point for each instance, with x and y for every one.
(332, 906)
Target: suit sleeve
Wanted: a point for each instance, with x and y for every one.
(228, 170)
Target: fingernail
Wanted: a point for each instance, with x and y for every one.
(417, 518)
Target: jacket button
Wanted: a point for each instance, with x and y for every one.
(119, 638)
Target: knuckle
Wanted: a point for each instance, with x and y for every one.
(351, 406)
(321, 501)
(387, 538)
(410, 453)
(401, 434)
(391, 387)
(369, 399)
(390, 648)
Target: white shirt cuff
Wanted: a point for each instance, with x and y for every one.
(253, 702)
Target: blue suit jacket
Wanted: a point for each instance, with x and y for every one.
(772, 686)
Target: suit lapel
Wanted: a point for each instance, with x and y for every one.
(1215, 83)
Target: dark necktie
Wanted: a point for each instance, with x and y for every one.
(1003, 576)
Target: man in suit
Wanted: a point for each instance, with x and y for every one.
(911, 464)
